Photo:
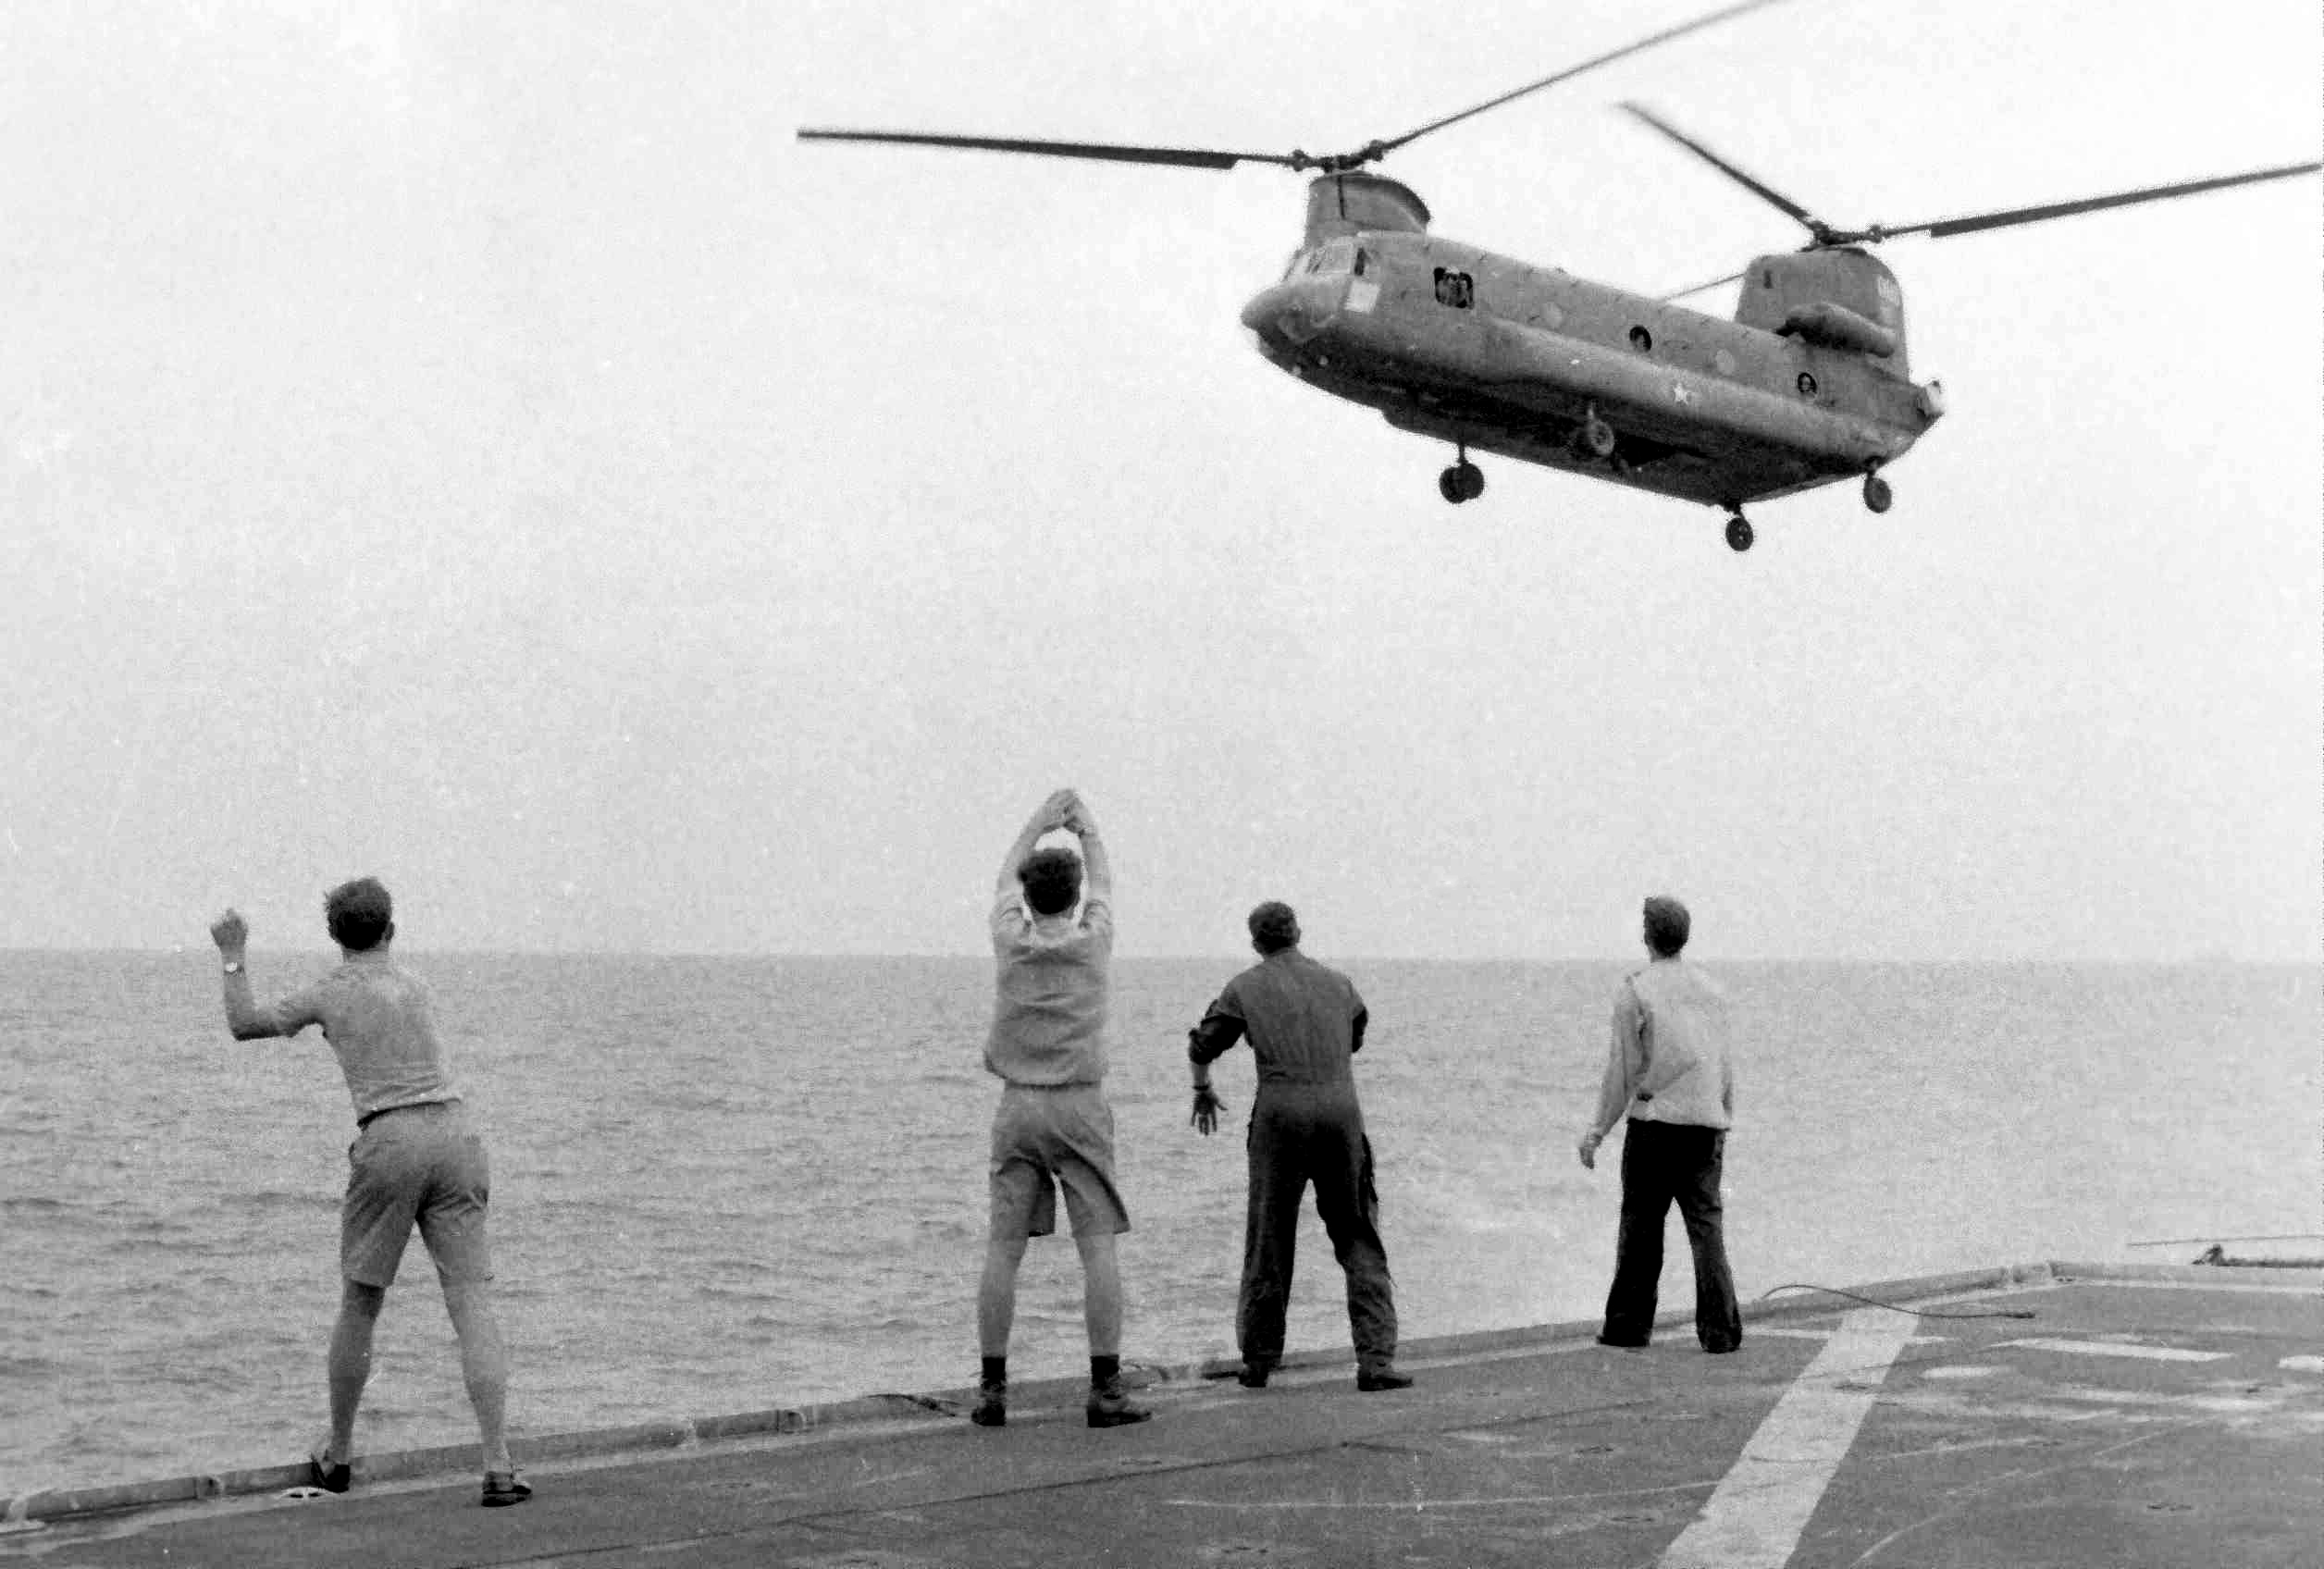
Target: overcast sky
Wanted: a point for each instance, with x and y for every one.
(478, 445)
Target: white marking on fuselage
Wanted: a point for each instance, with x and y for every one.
(1753, 1518)
(2111, 1348)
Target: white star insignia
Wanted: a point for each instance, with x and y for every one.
(1681, 395)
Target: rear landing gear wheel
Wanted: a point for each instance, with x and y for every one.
(1738, 533)
(1462, 482)
(1597, 437)
(1877, 496)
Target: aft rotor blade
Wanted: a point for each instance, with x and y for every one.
(1940, 228)
(1107, 152)
(1666, 35)
(1765, 192)
(1706, 288)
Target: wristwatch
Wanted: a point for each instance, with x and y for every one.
(233, 966)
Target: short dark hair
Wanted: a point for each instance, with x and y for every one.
(359, 914)
(1274, 927)
(1052, 880)
(1666, 925)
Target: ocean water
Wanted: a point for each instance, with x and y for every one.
(722, 1184)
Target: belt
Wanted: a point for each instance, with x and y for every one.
(368, 1118)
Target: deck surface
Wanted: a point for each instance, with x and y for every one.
(2162, 1422)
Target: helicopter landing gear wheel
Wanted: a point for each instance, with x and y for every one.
(1462, 482)
(1877, 496)
(1597, 437)
(1740, 535)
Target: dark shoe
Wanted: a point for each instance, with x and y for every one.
(502, 1489)
(1722, 1348)
(1621, 1345)
(330, 1479)
(1109, 1406)
(992, 1406)
(1380, 1379)
(1252, 1376)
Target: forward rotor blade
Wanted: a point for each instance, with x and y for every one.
(1106, 152)
(1765, 192)
(1940, 228)
(1665, 36)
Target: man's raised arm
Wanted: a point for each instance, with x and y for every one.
(244, 1018)
(1097, 872)
(1050, 814)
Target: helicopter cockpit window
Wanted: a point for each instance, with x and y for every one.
(1455, 288)
(1337, 256)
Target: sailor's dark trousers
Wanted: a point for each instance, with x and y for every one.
(1301, 1134)
(1663, 1162)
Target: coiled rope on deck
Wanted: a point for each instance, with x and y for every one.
(1915, 1311)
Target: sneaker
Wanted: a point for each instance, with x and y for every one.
(321, 1472)
(992, 1406)
(1109, 1406)
(1373, 1380)
(503, 1489)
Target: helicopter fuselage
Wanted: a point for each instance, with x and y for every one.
(1464, 346)
(1808, 385)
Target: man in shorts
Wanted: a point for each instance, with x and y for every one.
(415, 1160)
(1053, 1127)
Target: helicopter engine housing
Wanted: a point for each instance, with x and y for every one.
(1837, 297)
(1357, 204)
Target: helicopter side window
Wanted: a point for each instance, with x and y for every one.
(1455, 288)
(1337, 256)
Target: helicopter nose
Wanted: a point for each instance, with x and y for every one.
(1290, 313)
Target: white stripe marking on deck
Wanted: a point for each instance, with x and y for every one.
(2302, 1365)
(1753, 1518)
(2110, 1348)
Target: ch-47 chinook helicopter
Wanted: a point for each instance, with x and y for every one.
(1809, 384)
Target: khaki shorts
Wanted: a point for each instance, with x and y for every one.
(415, 1164)
(1044, 1137)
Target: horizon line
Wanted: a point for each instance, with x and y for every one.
(325, 951)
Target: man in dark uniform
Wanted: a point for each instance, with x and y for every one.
(1305, 1024)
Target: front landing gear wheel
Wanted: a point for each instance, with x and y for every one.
(1738, 533)
(1462, 482)
(1877, 496)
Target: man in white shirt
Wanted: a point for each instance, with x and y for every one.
(1669, 1070)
